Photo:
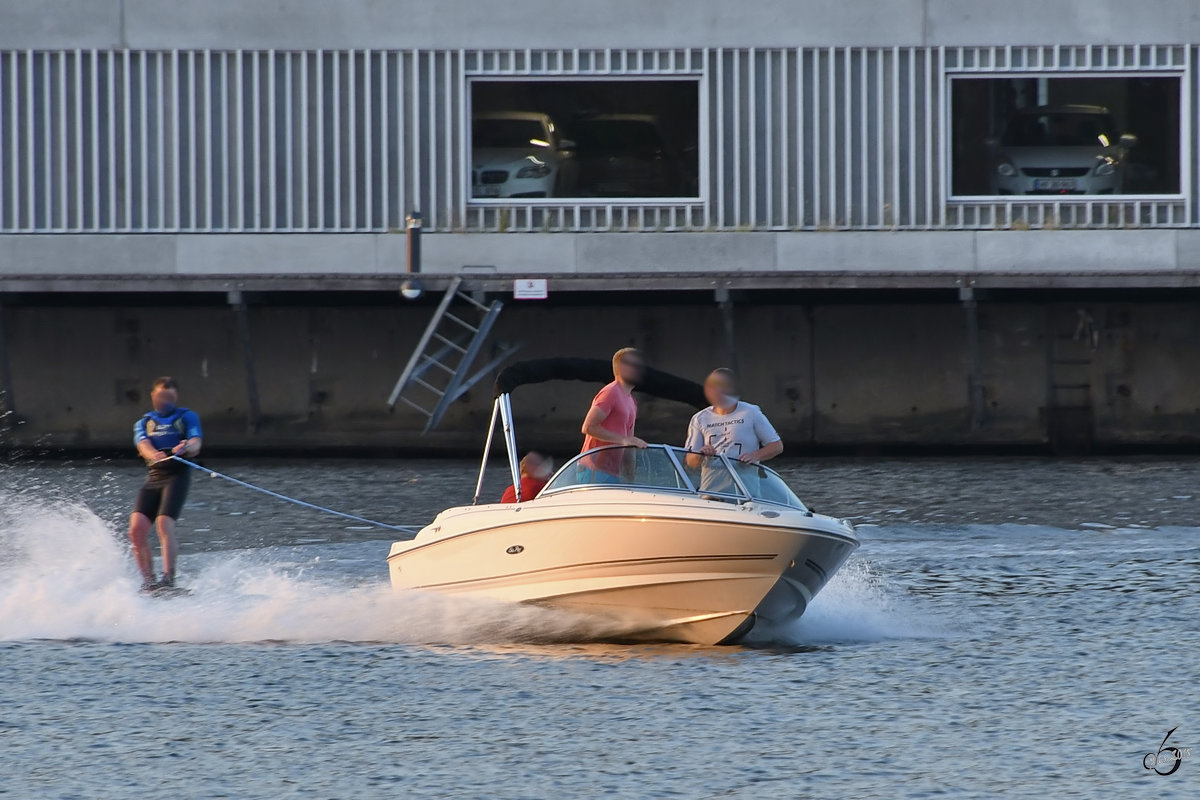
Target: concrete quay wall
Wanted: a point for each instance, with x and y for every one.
(841, 373)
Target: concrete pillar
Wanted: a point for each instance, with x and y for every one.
(724, 300)
(253, 413)
(8, 402)
(975, 376)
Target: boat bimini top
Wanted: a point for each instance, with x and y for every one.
(654, 383)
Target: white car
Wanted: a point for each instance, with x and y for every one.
(1060, 150)
(518, 154)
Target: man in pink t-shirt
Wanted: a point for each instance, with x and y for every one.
(612, 417)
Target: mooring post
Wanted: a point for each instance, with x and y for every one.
(411, 287)
(725, 303)
(241, 314)
(975, 380)
(412, 230)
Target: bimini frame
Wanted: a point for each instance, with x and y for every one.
(654, 383)
(502, 410)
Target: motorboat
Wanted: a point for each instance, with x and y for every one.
(656, 543)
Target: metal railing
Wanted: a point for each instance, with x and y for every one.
(790, 139)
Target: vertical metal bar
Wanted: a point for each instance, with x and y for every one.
(229, 172)
(30, 145)
(228, 181)
(704, 133)
(834, 200)
(912, 127)
(785, 119)
(510, 441)
(256, 132)
(335, 146)
(14, 117)
(385, 187)
(414, 147)
(448, 120)
(769, 132)
(127, 119)
(431, 214)
(143, 141)
(487, 451)
(239, 131)
(208, 140)
(77, 130)
(402, 152)
(320, 120)
(737, 137)
(943, 135)
(193, 193)
(752, 135)
(720, 160)
(931, 170)
(864, 148)
(160, 147)
(1187, 135)
(801, 189)
(897, 218)
(272, 173)
(848, 135)
(305, 123)
(111, 101)
(47, 159)
(64, 190)
(880, 130)
(352, 138)
(818, 107)
(464, 125)
(4, 151)
(289, 138)
(368, 140)
(176, 189)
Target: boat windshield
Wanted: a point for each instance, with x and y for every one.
(661, 467)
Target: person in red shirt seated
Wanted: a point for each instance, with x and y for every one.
(536, 470)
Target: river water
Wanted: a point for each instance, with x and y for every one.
(1009, 628)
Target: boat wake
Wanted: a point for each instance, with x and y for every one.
(66, 575)
(860, 605)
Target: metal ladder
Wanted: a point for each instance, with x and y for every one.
(439, 371)
(1071, 341)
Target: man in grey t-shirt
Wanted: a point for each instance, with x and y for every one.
(729, 427)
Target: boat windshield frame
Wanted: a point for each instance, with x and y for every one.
(687, 487)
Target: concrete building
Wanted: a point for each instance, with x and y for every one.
(923, 222)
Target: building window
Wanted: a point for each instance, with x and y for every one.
(1062, 138)
(584, 139)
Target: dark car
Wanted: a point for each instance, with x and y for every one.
(626, 155)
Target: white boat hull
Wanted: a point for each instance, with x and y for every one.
(652, 568)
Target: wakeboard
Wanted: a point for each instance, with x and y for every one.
(167, 592)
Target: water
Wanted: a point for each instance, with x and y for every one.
(1010, 628)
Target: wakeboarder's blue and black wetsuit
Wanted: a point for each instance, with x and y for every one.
(166, 487)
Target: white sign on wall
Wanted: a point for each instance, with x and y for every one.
(530, 289)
